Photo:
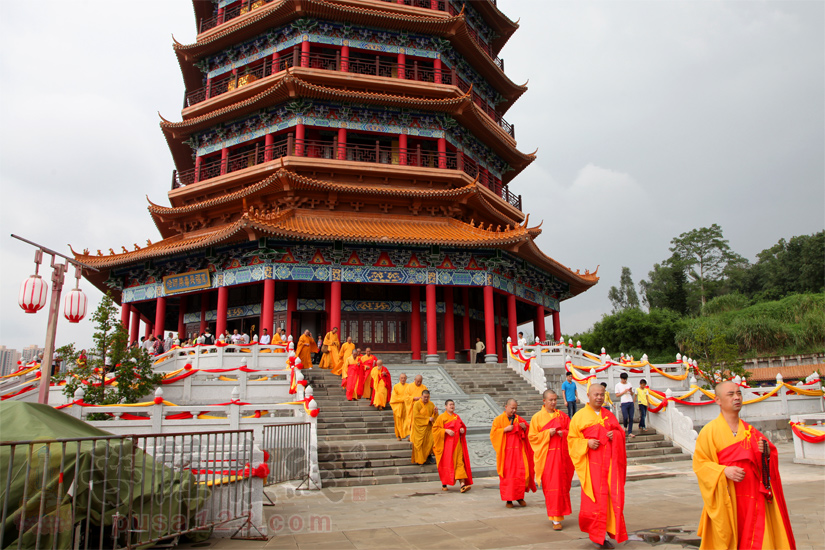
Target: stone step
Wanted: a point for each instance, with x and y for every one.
(658, 459)
(366, 463)
(327, 432)
(385, 444)
(409, 469)
(383, 480)
(356, 454)
(637, 453)
(351, 437)
(647, 445)
(358, 423)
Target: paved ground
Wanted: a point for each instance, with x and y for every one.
(419, 515)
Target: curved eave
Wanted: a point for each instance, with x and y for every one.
(291, 87)
(453, 28)
(578, 283)
(498, 21)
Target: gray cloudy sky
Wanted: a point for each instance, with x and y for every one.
(651, 118)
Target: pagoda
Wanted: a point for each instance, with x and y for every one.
(344, 163)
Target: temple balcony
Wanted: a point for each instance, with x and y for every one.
(245, 7)
(357, 62)
(254, 156)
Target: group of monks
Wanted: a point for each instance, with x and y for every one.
(737, 467)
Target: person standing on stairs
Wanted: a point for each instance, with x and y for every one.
(479, 350)
(414, 392)
(364, 376)
(424, 414)
(398, 402)
(346, 351)
(641, 397)
(514, 456)
(354, 370)
(381, 383)
(625, 391)
(305, 348)
(569, 390)
(450, 447)
(331, 359)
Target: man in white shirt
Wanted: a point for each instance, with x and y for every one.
(625, 392)
(265, 338)
(522, 341)
(244, 338)
(236, 338)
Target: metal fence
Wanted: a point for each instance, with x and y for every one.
(288, 449)
(125, 491)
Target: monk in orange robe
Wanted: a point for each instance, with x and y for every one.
(514, 456)
(305, 348)
(364, 375)
(381, 383)
(399, 408)
(450, 448)
(277, 340)
(596, 443)
(421, 438)
(331, 358)
(554, 470)
(346, 350)
(741, 510)
(353, 366)
(414, 393)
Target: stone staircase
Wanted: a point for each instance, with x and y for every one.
(356, 442)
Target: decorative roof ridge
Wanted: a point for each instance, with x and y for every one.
(291, 78)
(588, 279)
(268, 10)
(240, 193)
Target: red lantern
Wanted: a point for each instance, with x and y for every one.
(33, 291)
(74, 305)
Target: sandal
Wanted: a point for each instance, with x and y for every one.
(465, 488)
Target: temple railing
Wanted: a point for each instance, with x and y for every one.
(328, 62)
(227, 14)
(331, 150)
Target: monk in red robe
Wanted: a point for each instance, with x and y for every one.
(450, 448)
(353, 366)
(596, 443)
(514, 456)
(744, 502)
(554, 470)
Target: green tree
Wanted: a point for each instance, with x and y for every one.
(705, 253)
(666, 287)
(132, 367)
(712, 353)
(624, 297)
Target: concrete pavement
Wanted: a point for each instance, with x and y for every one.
(662, 509)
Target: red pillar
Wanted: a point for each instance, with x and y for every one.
(147, 329)
(489, 325)
(402, 66)
(465, 321)
(511, 318)
(224, 160)
(305, 53)
(345, 59)
(342, 144)
(269, 142)
(268, 306)
(300, 131)
(198, 161)
(223, 305)
(181, 319)
(160, 315)
(327, 308)
(432, 320)
(556, 326)
(497, 303)
(335, 305)
(291, 307)
(402, 149)
(415, 322)
(134, 330)
(442, 152)
(220, 15)
(539, 329)
(276, 63)
(125, 310)
(204, 304)
(449, 324)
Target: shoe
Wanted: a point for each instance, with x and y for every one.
(465, 488)
(522, 503)
(443, 487)
(557, 527)
(607, 544)
(509, 504)
(430, 460)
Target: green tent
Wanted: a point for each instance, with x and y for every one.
(89, 493)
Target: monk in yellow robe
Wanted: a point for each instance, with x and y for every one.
(424, 414)
(554, 470)
(414, 392)
(382, 383)
(365, 374)
(514, 456)
(596, 443)
(346, 350)
(331, 358)
(450, 448)
(398, 403)
(277, 340)
(305, 348)
(353, 367)
(744, 501)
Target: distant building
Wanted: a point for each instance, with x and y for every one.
(8, 360)
(31, 352)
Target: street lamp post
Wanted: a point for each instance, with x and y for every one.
(33, 297)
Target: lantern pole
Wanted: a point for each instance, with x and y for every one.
(58, 276)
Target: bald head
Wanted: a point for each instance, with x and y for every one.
(729, 397)
(418, 379)
(549, 399)
(595, 396)
(511, 407)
